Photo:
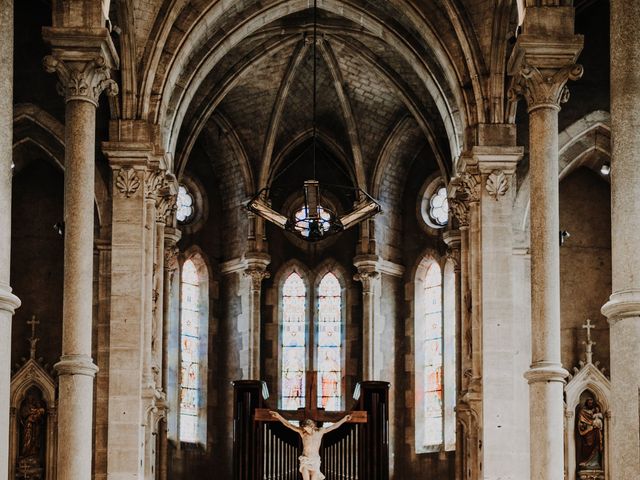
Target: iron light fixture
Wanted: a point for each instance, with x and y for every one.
(315, 220)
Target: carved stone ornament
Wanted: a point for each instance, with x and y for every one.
(541, 88)
(497, 184)
(366, 278)
(166, 206)
(460, 211)
(257, 276)
(127, 182)
(171, 258)
(83, 81)
(470, 187)
(153, 182)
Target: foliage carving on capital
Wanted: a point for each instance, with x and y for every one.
(453, 254)
(165, 208)
(459, 211)
(497, 184)
(82, 80)
(470, 187)
(153, 182)
(127, 182)
(257, 275)
(366, 277)
(546, 88)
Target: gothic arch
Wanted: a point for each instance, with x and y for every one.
(584, 143)
(35, 126)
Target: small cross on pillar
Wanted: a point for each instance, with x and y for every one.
(589, 343)
(33, 340)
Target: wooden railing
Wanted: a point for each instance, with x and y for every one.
(269, 451)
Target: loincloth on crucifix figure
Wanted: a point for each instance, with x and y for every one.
(311, 439)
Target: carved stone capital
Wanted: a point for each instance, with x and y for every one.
(257, 275)
(366, 277)
(459, 211)
(82, 80)
(543, 88)
(470, 185)
(171, 258)
(153, 182)
(165, 208)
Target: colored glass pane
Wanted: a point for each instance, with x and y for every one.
(433, 357)
(189, 352)
(293, 342)
(329, 343)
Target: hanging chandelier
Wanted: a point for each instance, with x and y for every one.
(315, 219)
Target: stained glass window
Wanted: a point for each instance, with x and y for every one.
(432, 347)
(293, 342)
(439, 207)
(185, 205)
(329, 343)
(190, 381)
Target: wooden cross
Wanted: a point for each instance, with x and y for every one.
(33, 340)
(311, 410)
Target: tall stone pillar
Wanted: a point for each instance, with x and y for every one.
(82, 58)
(542, 62)
(8, 301)
(369, 277)
(256, 271)
(623, 307)
(502, 412)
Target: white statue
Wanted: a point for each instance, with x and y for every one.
(311, 439)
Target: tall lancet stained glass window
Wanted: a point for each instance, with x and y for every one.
(190, 369)
(329, 343)
(293, 342)
(433, 364)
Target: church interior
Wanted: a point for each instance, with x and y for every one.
(423, 214)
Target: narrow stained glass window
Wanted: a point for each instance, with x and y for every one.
(293, 346)
(329, 343)
(433, 359)
(190, 352)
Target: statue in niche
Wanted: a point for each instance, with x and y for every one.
(32, 415)
(590, 436)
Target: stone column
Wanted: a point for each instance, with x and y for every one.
(623, 307)
(542, 62)
(82, 59)
(370, 279)
(8, 301)
(256, 271)
(502, 412)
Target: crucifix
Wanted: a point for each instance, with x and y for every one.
(33, 340)
(589, 343)
(308, 430)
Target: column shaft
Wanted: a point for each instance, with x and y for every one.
(623, 308)
(8, 301)
(546, 375)
(76, 369)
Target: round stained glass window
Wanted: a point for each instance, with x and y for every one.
(439, 207)
(185, 205)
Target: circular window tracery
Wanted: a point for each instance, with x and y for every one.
(185, 205)
(439, 207)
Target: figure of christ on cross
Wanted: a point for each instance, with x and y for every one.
(311, 439)
(308, 430)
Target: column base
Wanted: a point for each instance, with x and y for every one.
(8, 301)
(546, 372)
(76, 365)
(621, 305)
